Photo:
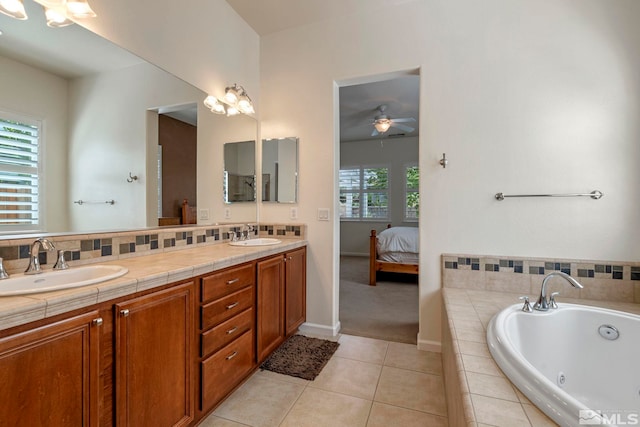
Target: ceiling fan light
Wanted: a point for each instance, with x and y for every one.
(80, 9)
(382, 125)
(13, 8)
(56, 19)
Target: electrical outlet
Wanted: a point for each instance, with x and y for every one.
(227, 213)
(293, 213)
(204, 214)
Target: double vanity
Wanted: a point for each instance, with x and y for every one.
(162, 344)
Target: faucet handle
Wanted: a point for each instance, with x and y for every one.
(527, 305)
(552, 300)
(61, 263)
(3, 272)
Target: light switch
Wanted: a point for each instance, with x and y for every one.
(323, 214)
(227, 213)
(293, 213)
(204, 214)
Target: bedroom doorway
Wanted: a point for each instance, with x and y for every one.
(378, 181)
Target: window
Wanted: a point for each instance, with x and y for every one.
(19, 173)
(412, 193)
(364, 193)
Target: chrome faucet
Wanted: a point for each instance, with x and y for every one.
(34, 261)
(250, 230)
(543, 302)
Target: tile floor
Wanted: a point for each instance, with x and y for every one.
(367, 382)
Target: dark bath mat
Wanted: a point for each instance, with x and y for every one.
(301, 357)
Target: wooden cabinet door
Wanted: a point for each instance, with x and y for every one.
(155, 358)
(270, 306)
(295, 289)
(49, 376)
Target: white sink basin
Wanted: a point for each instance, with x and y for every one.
(262, 241)
(53, 280)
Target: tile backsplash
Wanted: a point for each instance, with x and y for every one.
(604, 280)
(100, 247)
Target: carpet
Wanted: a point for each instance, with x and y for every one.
(388, 311)
(301, 357)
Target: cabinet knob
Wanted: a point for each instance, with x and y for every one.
(97, 322)
(124, 313)
(232, 355)
(230, 306)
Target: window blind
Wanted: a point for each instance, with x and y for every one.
(19, 147)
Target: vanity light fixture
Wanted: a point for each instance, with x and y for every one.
(234, 101)
(79, 9)
(55, 19)
(13, 8)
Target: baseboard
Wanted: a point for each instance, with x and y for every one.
(354, 254)
(322, 330)
(429, 345)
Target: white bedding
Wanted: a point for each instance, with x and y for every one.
(399, 244)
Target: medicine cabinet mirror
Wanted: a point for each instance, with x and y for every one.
(280, 170)
(239, 172)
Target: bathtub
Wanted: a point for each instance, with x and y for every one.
(570, 364)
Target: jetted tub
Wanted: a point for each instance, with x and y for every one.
(580, 365)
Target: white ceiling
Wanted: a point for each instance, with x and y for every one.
(358, 103)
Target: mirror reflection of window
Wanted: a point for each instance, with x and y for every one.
(280, 170)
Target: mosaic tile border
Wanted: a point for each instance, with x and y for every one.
(536, 266)
(99, 247)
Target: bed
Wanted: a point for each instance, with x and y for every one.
(393, 250)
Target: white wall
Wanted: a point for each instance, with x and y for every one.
(523, 96)
(396, 154)
(108, 140)
(43, 96)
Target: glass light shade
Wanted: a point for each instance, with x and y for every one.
(244, 105)
(80, 9)
(13, 8)
(232, 111)
(382, 125)
(212, 103)
(56, 19)
(231, 95)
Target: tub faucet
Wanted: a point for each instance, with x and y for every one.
(34, 261)
(543, 302)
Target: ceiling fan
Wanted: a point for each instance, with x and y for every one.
(382, 122)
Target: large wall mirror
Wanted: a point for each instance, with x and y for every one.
(101, 110)
(280, 170)
(239, 183)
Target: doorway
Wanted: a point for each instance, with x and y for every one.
(378, 184)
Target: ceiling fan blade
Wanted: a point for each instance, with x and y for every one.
(404, 120)
(402, 127)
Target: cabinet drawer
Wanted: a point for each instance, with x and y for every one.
(226, 332)
(225, 282)
(225, 369)
(226, 307)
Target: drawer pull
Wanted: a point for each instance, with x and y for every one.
(232, 330)
(232, 355)
(234, 305)
(232, 281)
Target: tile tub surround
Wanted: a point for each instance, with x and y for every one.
(155, 268)
(107, 246)
(478, 393)
(603, 280)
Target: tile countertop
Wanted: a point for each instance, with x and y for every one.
(489, 398)
(145, 272)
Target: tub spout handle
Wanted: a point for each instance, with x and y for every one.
(552, 300)
(527, 305)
